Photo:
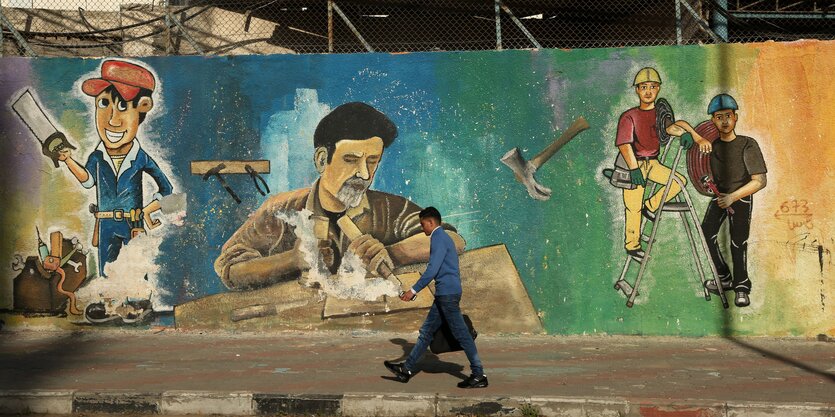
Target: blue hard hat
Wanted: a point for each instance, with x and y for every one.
(721, 102)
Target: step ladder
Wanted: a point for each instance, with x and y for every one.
(682, 205)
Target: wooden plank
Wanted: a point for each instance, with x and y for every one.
(335, 307)
(494, 297)
(261, 166)
(56, 240)
(264, 310)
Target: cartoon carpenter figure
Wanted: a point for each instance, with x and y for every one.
(123, 97)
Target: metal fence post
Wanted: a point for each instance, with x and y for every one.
(705, 27)
(678, 22)
(18, 37)
(167, 7)
(719, 19)
(330, 26)
(498, 7)
(351, 26)
(521, 26)
(185, 33)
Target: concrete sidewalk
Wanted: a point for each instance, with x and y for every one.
(328, 373)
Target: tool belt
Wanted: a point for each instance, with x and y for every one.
(117, 215)
(619, 175)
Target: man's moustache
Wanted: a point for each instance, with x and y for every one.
(357, 183)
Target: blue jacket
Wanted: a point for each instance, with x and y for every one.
(120, 191)
(123, 191)
(443, 265)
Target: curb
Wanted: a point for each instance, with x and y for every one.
(36, 402)
(381, 405)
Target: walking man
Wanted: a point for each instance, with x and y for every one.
(443, 268)
(739, 171)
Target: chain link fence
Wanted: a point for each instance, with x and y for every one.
(202, 27)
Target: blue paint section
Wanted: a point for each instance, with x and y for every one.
(288, 139)
(451, 132)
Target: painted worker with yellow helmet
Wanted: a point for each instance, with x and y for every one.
(638, 142)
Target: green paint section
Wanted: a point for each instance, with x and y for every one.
(569, 249)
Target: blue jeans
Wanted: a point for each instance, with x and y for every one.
(446, 305)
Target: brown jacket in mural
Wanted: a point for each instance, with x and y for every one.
(386, 217)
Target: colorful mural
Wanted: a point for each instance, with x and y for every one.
(281, 192)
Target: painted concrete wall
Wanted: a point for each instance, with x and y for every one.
(530, 264)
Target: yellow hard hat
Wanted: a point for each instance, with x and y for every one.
(647, 74)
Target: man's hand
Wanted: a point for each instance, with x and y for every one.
(636, 177)
(372, 252)
(725, 200)
(147, 211)
(64, 154)
(686, 141)
(704, 145)
(408, 295)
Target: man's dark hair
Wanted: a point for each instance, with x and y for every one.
(143, 92)
(354, 121)
(430, 213)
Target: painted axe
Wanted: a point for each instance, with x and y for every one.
(524, 170)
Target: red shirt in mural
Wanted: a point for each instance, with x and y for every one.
(637, 127)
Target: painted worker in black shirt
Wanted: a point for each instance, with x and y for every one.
(739, 171)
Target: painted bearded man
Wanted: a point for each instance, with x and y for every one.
(349, 143)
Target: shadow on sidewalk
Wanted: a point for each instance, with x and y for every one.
(728, 334)
(26, 365)
(430, 363)
(784, 359)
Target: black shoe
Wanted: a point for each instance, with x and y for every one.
(96, 313)
(742, 299)
(636, 253)
(474, 382)
(650, 215)
(711, 286)
(399, 370)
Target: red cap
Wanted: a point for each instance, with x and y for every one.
(128, 78)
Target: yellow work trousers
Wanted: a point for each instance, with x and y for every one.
(633, 199)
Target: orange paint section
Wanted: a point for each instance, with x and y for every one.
(790, 98)
(787, 103)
